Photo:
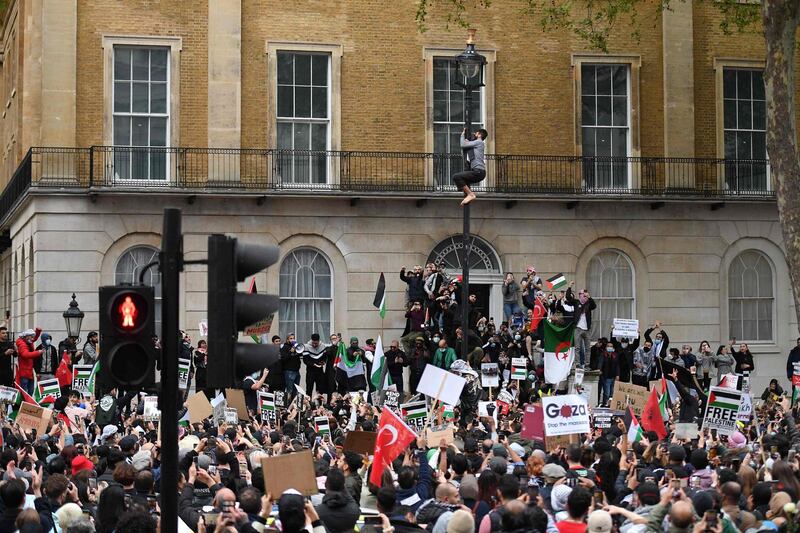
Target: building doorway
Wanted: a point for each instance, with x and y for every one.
(483, 294)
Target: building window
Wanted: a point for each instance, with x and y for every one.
(303, 116)
(448, 119)
(605, 125)
(141, 112)
(305, 292)
(744, 129)
(129, 267)
(609, 278)
(750, 297)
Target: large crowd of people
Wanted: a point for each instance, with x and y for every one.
(96, 466)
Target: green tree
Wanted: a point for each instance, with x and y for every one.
(777, 20)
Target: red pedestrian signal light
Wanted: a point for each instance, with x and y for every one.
(128, 312)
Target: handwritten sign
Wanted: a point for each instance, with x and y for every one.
(626, 328)
(627, 394)
(32, 417)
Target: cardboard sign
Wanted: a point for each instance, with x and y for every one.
(565, 415)
(183, 373)
(231, 416)
(415, 414)
(745, 408)
(262, 327)
(533, 422)
(626, 328)
(151, 412)
(627, 394)
(519, 368)
(81, 375)
(435, 434)
(686, 430)
(199, 407)
(551, 443)
(290, 471)
(32, 417)
(490, 377)
(722, 410)
(602, 418)
(8, 394)
(235, 399)
(362, 442)
(441, 385)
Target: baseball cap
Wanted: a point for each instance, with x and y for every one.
(109, 431)
(599, 522)
(553, 472)
(648, 493)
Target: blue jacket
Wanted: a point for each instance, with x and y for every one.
(421, 491)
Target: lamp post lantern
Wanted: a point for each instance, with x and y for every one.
(468, 73)
(73, 318)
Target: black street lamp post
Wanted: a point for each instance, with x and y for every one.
(468, 71)
(73, 318)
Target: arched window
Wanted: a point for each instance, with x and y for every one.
(305, 290)
(130, 265)
(609, 279)
(750, 297)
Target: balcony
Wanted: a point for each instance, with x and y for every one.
(273, 172)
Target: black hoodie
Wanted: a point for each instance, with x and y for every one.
(338, 511)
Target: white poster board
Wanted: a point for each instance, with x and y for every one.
(151, 412)
(183, 374)
(626, 328)
(441, 385)
(565, 415)
(490, 376)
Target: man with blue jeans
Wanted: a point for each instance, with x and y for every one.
(290, 362)
(511, 292)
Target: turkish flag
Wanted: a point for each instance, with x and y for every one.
(651, 416)
(537, 314)
(393, 438)
(64, 373)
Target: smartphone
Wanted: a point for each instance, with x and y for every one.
(711, 519)
(695, 482)
(152, 503)
(373, 520)
(211, 441)
(684, 483)
(598, 499)
(210, 519)
(212, 470)
(629, 456)
(92, 483)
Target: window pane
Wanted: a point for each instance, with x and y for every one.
(285, 99)
(122, 131)
(588, 111)
(620, 79)
(139, 133)
(301, 137)
(302, 101)
(284, 136)
(302, 69)
(305, 289)
(620, 145)
(158, 64)
(603, 110)
(588, 144)
(759, 115)
(743, 81)
(158, 98)
(319, 70)
(759, 148)
(609, 278)
(603, 142)
(319, 100)
(439, 105)
(122, 97)
(730, 113)
(730, 145)
(620, 104)
(122, 63)
(158, 131)
(729, 83)
(285, 68)
(141, 64)
(439, 75)
(758, 85)
(319, 136)
(587, 79)
(456, 106)
(604, 80)
(140, 97)
(744, 115)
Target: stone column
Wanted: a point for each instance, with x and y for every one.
(224, 87)
(678, 43)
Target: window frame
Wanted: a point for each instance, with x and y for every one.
(487, 106)
(634, 63)
(159, 298)
(720, 64)
(174, 46)
(334, 136)
(728, 298)
(599, 299)
(330, 299)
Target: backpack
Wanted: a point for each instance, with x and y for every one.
(106, 411)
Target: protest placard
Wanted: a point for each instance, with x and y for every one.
(183, 373)
(32, 417)
(627, 394)
(199, 407)
(202, 327)
(81, 375)
(686, 430)
(489, 409)
(490, 377)
(290, 471)
(322, 425)
(729, 381)
(722, 409)
(441, 385)
(745, 408)
(625, 328)
(578, 380)
(151, 412)
(602, 417)
(8, 394)
(565, 415)
(218, 404)
(519, 368)
(362, 442)
(533, 422)
(231, 416)
(235, 399)
(415, 414)
(280, 403)
(391, 399)
(261, 327)
(266, 406)
(551, 443)
(51, 388)
(435, 434)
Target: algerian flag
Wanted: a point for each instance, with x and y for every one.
(634, 429)
(556, 282)
(558, 352)
(380, 296)
(378, 362)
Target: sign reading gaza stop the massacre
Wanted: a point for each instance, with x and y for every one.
(565, 415)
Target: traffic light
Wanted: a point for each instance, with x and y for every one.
(127, 330)
(230, 311)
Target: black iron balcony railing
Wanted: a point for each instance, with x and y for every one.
(254, 170)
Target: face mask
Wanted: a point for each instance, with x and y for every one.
(646, 349)
(436, 339)
(47, 342)
(624, 344)
(609, 349)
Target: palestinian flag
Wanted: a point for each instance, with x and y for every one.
(414, 411)
(266, 403)
(93, 378)
(519, 372)
(724, 400)
(23, 396)
(663, 401)
(635, 432)
(322, 425)
(47, 391)
(558, 352)
(380, 296)
(556, 282)
(378, 364)
(448, 413)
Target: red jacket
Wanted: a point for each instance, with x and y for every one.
(27, 355)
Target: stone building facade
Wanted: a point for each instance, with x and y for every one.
(324, 128)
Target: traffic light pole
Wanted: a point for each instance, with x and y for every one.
(170, 265)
